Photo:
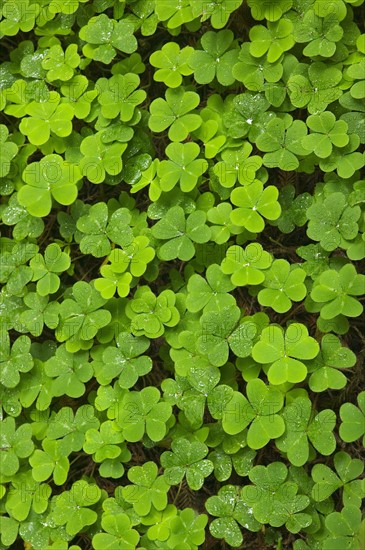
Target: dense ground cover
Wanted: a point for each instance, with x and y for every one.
(182, 226)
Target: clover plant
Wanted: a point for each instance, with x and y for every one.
(182, 226)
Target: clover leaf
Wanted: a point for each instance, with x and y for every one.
(316, 90)
(103, 36)
(187, 458)
(272, 10)
(81, 316)
(246, 115)
(325, 132)
(345, 160)
(16, 443)
(333, 221)
(24, 494)
(281, 350)
(47, 267)
(188, 528)
(148, 489)
(255, 203)
(98, 229)
(175, 113)
(118, 533)
(183, 166)
(8, 151)
(218, 11)
(245, 265)
(171, 63)
(100, 158)
(293, 209)
(142, 412)
(14, 359)
(352, 426)
(150, 314)
(180, 233)
(343, 526)
(41, 312)
(347, 472)
(274, 500)
(124, 361)
(231, 511)
(71, 427)
(259, 411)
(103, 443)
(211, 293)
(282, 143)
(44, 119)
(253, 72)
(51, 461)
(272, 40)
(60, 64)
(134, 257)
(216, 59)
(119, 96)
(69, 372)
(301, 425)
(52, 177)
(72, 508)
(283, 284)
(25, 225)
(334, 292)
(237, 164)
(325, 368)
(320, 33)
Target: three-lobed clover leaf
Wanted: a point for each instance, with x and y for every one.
(72, 508)
(39, 312)
(143, 412)
(103, 443)
(81, 316)
(148, 489)
(98, 229)
(353, 420)
(254, 204)
(274, 500)
(183, 166)
(218, 11)
(51, 178)
(230, 511)
(188, 528)
(60, 64)
(15, 443)
(134, 257)
(180, 233)
(326, 131)
(259, 410)
(282, 143)
(326, 368)
(51, 461)
(118, 533)
(14, 359)
(26, 494)
(303, 426)
(237, 164)
(210, 293)
(245, 265)
(171, 63)
(273, 40)
(316, 89)
(293, 209)
(348, 471)
(254, 72)
(46, 118)
(8, 151)
(216, 58)
(100, 158)
(150, 314)
(343, 527)
(124, 361)
(282, 351)
(69, 372)
(283, 284)
(320, 33)
(47, 267)
(119, 96)
(103, 36)
(174, 113)
(272, 10)
(71, 427)
(187, 458)
(333, 221)
(334, 292)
